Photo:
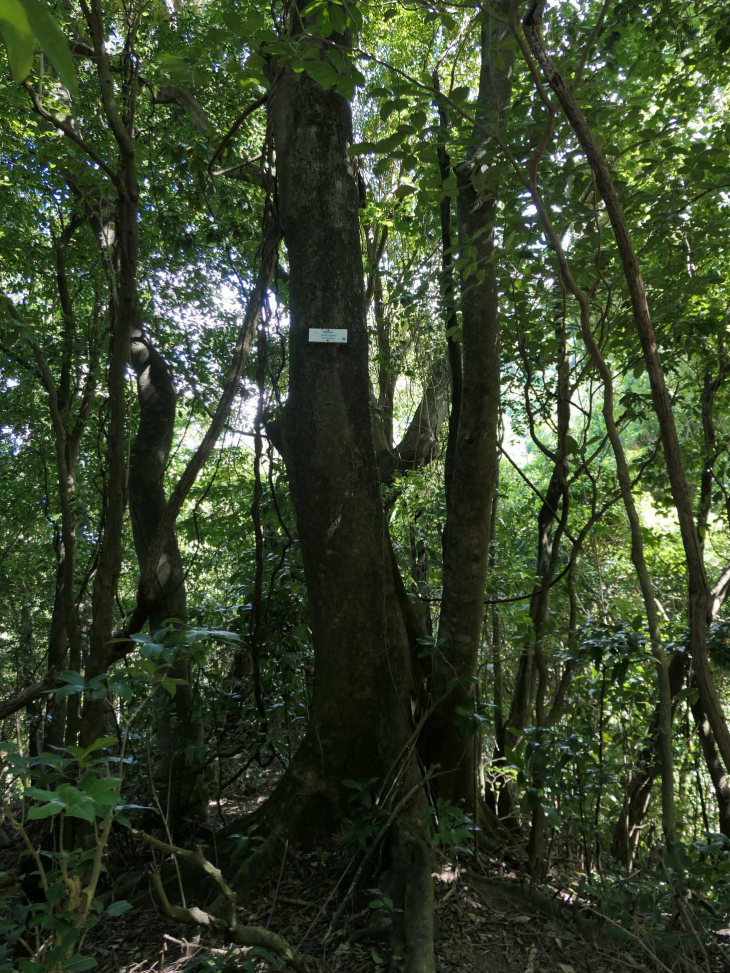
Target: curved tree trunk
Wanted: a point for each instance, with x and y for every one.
(179, 735)
(715, 767)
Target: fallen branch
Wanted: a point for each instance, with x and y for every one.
(229, 927)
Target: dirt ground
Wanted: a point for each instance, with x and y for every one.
(475, 933)
(478, 927)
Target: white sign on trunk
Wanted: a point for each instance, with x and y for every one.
(327, 335)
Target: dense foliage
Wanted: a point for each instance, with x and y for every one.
(170, 176)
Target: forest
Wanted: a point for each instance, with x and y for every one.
(365, 486)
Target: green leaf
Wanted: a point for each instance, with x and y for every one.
(104, 791)
(64, 691)
(391, 142)
(18, 38)
(118, 908)
(27, 966)
(78, 963)
(571, 445)
(73, 678)
(362, 148)
(460, 94)
(404, 190)
(338, 18)
(83, 809)
(52, 40)
(40, 795)
(99, 744)
(45, 810)
(322, 72)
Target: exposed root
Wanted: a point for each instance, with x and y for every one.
(252, 869)
(304, 808)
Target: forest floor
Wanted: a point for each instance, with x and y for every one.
(475, 934)
(480, 926)
(477, 931)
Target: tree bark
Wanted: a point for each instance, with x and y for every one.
(547, 561)
(327, 438)
(179, 735)
(451, 740)
(123, 312)
(638, 794)
(64, 631)
(715, 767)
(360, 724)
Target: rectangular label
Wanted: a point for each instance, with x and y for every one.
(337, 335)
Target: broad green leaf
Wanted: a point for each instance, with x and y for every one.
(362, 148)
(18, 38)
(27, 966)
(79, 963)
(83, 809)
(322, 72)
(40, 795)
(100, 744)
(104, 791)
(52, 40)
(72, 677)
(404, 190)
(45, 811)
(118, 908)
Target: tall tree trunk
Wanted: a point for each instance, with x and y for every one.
(638, 794)
(448, 299)
(124, 315)
(547, 561)
(636, 800)
(64, 633)
(328, 445)
(179, 735)
(451, 740)
(54, 730)
(661, 398)
(360, 724)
